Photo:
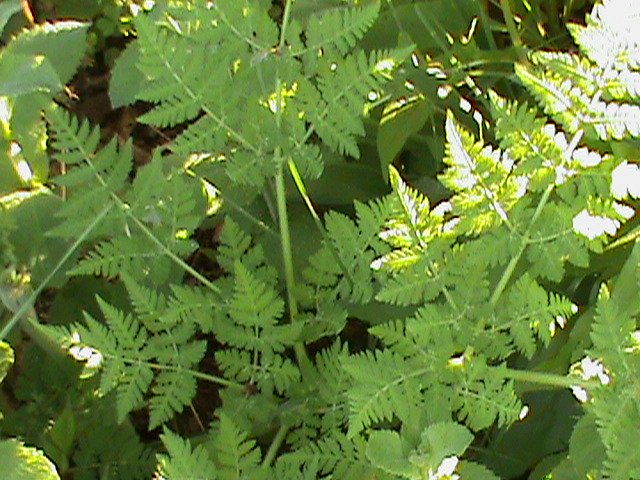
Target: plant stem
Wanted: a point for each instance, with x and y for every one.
(276, 443)
(194, 373)
(287, 253)
(550, 379)
(185, 266)
(511, 28)
(26, 305)
(506, 275)
(281, 202)
(285, 22)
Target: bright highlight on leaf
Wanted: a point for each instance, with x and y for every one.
(625, 181)
(594, 226)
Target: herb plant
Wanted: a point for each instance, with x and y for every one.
(403, 336)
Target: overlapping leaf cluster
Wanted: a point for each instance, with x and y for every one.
(455, 294)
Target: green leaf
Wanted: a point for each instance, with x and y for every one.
(63, 44)
(19, 462)
(21, 74)
(8, 9)
(586, 451)
(399, 121)
(347, 26)
(237, 457)
(475, 471)
(126, 79)
(385, 451)
(442, 440)
(6, 359)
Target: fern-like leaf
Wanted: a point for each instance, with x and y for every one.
(386, 386)
(126, 367)
(101, 173)
(347, 26)
(182, 461)
(132, 348)
(335, 106)
(236, 456)
(337, 455)
(483, 397)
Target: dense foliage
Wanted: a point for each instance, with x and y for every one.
(360, 251)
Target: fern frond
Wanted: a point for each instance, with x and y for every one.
(529, 141)
(101, 173)
(182, 461)
(173, 81)
(168, 209)
(412, 285)
(528, 310)
(483, 397)
(193, 304)
(610, 332)
(235, 455)
(236, 245)
(574, 108)
(345, 26)
(335, 107)
(609, 38)
(410, 228)
(428, 334)
(172, 392)
(333, 381)
(255, 305)
(210, 92)
(356, 245)
(385, 385)
(144, 353)
(617, 410)
(336, 455)
(480, 177)
(251, 327)
(126, 367)
(120, 254)
(147, 303)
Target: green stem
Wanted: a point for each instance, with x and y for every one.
(512, 29)
(549, 379)
(276, 443)
(287, 254)
(194, 373)
(285, 22)
(302, 190)
(185, 266)
(26, 305)
(508, 272)
(506, 275)
(281, 202)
